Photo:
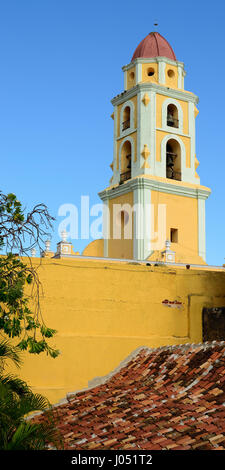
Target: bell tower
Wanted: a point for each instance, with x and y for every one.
(155, 189)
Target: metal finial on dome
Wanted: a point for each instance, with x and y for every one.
(156, 26)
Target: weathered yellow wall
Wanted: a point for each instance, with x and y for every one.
(104, 310)
(120, 248)
(95, 248)
(179, 211)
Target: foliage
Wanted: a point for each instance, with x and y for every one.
(19, 232)
(16, 402)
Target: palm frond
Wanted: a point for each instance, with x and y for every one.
(33, 436)
(25, 437)
(15, 384)
(7, 351)
(17, 401)
(31, 403)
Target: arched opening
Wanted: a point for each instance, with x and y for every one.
(151, 71)
(172, 116)
(173, 160)
(125, 172)
(126, 118)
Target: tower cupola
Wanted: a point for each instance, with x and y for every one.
(154, 45)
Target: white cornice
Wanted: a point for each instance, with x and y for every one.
(162, 90)
(172, 130)
(154, 185)
(142, 60)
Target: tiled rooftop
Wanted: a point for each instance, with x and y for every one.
(165, 398)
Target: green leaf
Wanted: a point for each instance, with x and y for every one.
(29, 278)
(47, 332)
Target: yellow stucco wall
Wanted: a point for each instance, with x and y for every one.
(131, 77)
(95, 248)
(179, 211)
(120, 248)
(171, 81)
(151, 78)
(104, 310)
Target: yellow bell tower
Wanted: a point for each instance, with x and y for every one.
(155, 200)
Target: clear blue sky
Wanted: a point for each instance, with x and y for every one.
(60, 65)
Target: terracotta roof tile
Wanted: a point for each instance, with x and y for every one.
(165, 398)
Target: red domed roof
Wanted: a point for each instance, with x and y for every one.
(154, 45)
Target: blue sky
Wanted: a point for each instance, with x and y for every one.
(60, 66)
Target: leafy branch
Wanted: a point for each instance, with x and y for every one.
(19, 232)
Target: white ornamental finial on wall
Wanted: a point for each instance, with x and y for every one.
(64, 236)
(33, 252)
(47, 245)
(167, 243)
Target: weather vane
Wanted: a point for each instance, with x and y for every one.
(156, 25)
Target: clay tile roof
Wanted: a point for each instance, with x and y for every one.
(154, 45)
(165, 398)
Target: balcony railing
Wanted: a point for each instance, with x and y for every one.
(126, 125)
(125, 176)
(172, 122)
